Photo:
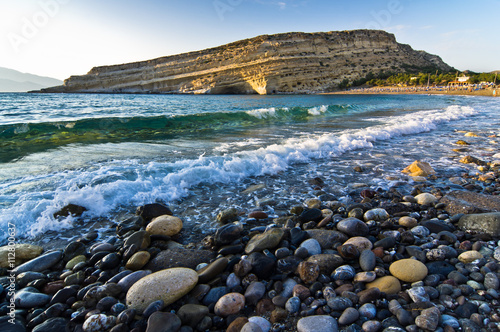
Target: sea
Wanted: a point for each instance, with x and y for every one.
(201, 154)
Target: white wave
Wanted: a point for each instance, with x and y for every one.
(317, 110)
(135, 183)
(265, 113)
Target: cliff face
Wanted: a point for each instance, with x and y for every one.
(283, 63)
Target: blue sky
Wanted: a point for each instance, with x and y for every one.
(59, 38)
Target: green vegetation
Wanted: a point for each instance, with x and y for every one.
(416, 77)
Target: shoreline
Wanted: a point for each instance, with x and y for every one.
(415, 91)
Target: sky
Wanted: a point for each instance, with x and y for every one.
(60, 38)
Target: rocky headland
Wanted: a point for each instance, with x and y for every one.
(291, 63)
(426, 259)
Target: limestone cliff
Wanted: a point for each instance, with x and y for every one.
(293, 62)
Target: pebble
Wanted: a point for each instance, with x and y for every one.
(408, 222)
(254, 292)
(267, 240)
(54, 324)
(362, 243)
(349, 316)
(386, 284)
(30, 298)
(376, 214)
(344, 272)
(426, 199)
(313, 247)
(40, 263)
(229, 304)
(191, 314)
(212, 270)
(99, 322)
(163, 322)
(251, 327)
(428, 319)
(371, 326)
(23, 252)
(367, 260)
(469, 256)
(353, 227)
(138, 260)
(368, 310)
(292, 305)
(319, 323)
(165, 225)
(326, 262)
(263, 323)
(168, 285)
(408, 270)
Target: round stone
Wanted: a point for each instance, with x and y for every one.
(318, 323)
(229, 304)
(191, 314)
(326, 262)
(360, 242)
(367, 260)
(40, 263)
(426, 199)
(212, 270)
(293, 305)
(168, 285)
(75, 260)
(353, 227)
(408, 222)
(428, 319)
(308, 271)
(469, 256)
(138, 260)
(30, 299)
(165, 225)
(386, 284)
(408, 270)
(23, 252)
(100, 322)
(376, 214)
(254, 292)
(266, 240)
(368, 310)
(263, 323)
(344, 272)
(349, 316)
(313, 247)
(163, 322)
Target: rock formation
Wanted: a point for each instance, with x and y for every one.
(294, 62)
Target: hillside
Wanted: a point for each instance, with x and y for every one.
(293, 62)
(15, 81)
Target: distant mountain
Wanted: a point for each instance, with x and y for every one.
(15, 81)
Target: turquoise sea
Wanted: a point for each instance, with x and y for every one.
(197, 154)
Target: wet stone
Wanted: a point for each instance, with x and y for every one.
(163, 322)
(428, 319)
(318, 323)
(339, 303)
(349, 316)
(254, 292)
(353, 227)
(313, 247)
(367, 260)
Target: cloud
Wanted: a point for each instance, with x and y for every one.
(399, 27)
(282, 5)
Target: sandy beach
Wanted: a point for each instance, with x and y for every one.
(422, 90)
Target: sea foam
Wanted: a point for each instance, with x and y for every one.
(105, 187)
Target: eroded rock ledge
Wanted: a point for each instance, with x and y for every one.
(294, 62)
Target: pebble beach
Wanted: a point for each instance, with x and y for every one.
(419, 257)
